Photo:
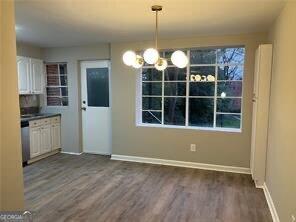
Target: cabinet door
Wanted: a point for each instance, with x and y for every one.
(37, 76)
(45, 139)
(23, 70)
(35, 141)
(56, 136)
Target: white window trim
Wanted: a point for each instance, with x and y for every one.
(139, 96)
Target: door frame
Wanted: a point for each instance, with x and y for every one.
(80, 102)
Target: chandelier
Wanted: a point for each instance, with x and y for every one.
(151, 55)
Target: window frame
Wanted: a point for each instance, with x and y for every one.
(139, 96)
(57, 86)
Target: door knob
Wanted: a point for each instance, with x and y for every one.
(83, 108)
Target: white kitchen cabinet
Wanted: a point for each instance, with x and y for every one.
(46, 145)
(56, 136)
(30, 75)
(23, 69)
(45, 135)
(35, 141)
(37, 76)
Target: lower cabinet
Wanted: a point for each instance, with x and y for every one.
(45, 136)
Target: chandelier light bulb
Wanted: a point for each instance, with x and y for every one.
(161, 64)
(139, 62)
(151, 56)
(179, 59)
(129, 58)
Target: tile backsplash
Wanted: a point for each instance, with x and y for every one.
(29, 104)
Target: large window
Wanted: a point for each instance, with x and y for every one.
(56, 84)
(205, 94)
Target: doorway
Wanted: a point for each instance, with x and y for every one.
(95, 107)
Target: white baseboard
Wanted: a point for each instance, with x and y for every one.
(72, 153)
(181, 164)
(270, 203)
(94, 152)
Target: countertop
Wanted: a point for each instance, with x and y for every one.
(39, 116)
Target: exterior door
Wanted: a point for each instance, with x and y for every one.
(95, 107)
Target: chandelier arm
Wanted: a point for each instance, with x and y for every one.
(156, 30)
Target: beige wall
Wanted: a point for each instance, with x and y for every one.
(28, 50)
(281, 156)
(11, 181)
(71, 115)
(221, 148)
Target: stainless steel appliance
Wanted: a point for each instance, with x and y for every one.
(25, 134)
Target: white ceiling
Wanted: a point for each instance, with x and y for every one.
(49, 23)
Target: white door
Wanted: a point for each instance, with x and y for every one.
(23, 70)
(45, 139)
(37, 76)
(56, 136)
(95, 107)
(35, 141)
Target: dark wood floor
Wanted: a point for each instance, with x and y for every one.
(94, 188)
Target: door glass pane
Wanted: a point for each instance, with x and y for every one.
(151, 117)
(151, 103)
(229, 105)
(206, 56)
(233, 88)
(97, 87)
(151, 88)
(151, 74)
(174, 88)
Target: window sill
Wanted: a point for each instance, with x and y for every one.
(227, 130)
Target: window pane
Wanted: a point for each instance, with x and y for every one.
(202, 70)
(63, 80)
(231, 55)
(201, 112)
(53, 80)
(65, 101)
(97, 87)
(151, 88)
(229, 105)
(52, 69)
(63, 69)
(230, 72)
(151, 103)
(64, 91)
(174, 111)
(228, 121)
(206, 56)
(151, 74)
(173, 74)
(175, 88)
(53, 91)
(54, 101)
(202, 88)
(230, 88)
(151, 117)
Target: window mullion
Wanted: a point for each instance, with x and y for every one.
(215, 95)
(162, 99)
(187, 90)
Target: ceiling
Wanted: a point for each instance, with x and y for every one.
(50, 23)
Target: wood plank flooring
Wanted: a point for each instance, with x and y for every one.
(94, 188)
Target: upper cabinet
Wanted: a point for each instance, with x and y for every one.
(23, 70)
(30, 75)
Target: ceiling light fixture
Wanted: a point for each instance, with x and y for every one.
(151, 55)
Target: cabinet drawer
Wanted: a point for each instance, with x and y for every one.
(35, 123)
(55, 119)
(45, 121)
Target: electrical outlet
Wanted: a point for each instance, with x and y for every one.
(192, 147)
(293, 218)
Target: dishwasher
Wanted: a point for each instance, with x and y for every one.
(25, 136)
